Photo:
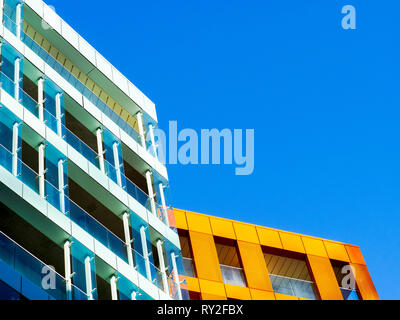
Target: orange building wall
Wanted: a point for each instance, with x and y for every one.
(250, 240)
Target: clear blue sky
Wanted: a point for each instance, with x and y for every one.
(324, 103)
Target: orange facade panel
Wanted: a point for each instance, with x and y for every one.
(180, 219)
(269, 238)
(254, 266)
(314, 246)
(336, 251)
(252, 241)
(292, 242)
(222, 228)
(246, 232)
(198, 222)
(324, 278)
(236, 292)
(205, 256)
(261, 295)
(364, 282)
(212, 288)
(355, 254)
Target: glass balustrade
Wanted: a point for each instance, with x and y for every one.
(188, 267)
(29, 103)
(81, 218)
(349, 294)
(233, 275)
(32, 268)
(88, 153)
(77, 84)
(293, 287)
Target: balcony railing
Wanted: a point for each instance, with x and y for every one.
(88, 153)
(188, 267)
(293, 287)
(233, 275)
(10, 24)
(31, 179)
(349, 294)
(30, 267)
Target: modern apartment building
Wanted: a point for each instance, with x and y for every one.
(81, 188)
(225, 259)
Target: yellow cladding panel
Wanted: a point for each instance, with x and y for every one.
(222, 228)
(212, 287)
(364, 283)
(198, 222)
(261, 295)
(193, 284)
(254, 266)
(314, 246)
(325, 278)
(355, 255)
(180, 219)
(292, 242)
(336, 251)
(280, 296)
(205, 256)
(269, 238)
(246, 232)
(236, 292)
(205, 296)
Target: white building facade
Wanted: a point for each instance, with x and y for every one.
(85, 208)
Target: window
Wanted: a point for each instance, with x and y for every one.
(229, 260)
(346, 281)
(289, 273)
(187, 256)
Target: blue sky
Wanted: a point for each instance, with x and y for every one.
(324, 103)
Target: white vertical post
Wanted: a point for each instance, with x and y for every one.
(117, 164)
(163, 203)
(145, 252)
(114, 292)
(125, 219)
(160, 252)
(41, 171)
(15, 149)
(139, 117)
(41, 99)
(58, 114)
(18, 20)
(151, 191)
(100, 149)
(176, 275)
(61, 185)
(68, 272)
(17, 70)
(88, 276)
(153, 141)
(133, 295)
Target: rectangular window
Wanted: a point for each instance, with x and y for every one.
(187, 256)
(230, 263)
(346, 280)
(289, 273)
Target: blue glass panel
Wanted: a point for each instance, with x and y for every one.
(79, 253)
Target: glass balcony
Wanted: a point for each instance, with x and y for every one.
(293, 287)
(32, 268)
(9, 22)
(81, 217)
(349, 294)
(77, 84)
(233, 275)
(188, 267)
